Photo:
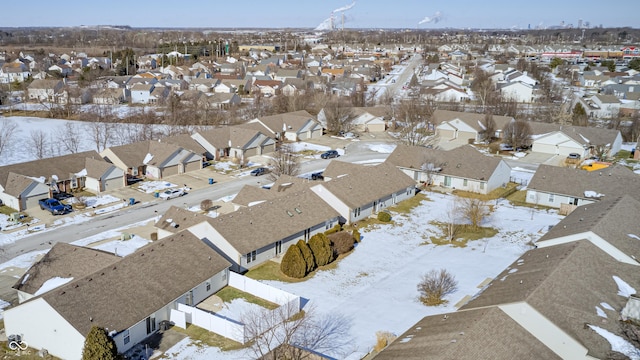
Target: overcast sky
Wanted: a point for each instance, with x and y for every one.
(309, 14)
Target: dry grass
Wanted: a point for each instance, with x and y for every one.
(383, 339)
(228, 294)
(201, 336)
(463, 234)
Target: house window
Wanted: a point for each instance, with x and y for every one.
(356, 212)
(551, 198)
(208, 286)
(126, 337)
(251, 256)
(464, 182)
(278, 247)
(224, 274)
(481, 186)
(151, 324)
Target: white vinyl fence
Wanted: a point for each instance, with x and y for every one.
(230, 328)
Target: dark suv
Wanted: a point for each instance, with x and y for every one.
(330, 154)
(258, 171)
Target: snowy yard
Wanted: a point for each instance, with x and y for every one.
(375, 286)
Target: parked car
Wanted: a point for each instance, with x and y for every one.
(54, 206)
(573, 156)
(172, 193)
(506, 147)
(259, 171)
(330, 154)
(317, 176)
(61, 195)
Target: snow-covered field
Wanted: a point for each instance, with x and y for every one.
(375, 286)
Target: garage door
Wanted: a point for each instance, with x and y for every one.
(566, 150)
(544, 148)
(268, 149)
(251, 152)
(192, 166)
(170, 170)
(112, 184)
(316, 134)
(376, 127)
(32, 202)
(446, 134)
(464, 136)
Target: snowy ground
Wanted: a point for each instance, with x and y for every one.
(375, 286)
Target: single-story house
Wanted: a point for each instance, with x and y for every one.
(152, 159)
(563, 140)
(556, 187)
(463, 168)
(358, 191)
(46, 90)
(292, 126)
(250, 236)
(369, 119)
(128, 298)
(463, 127)
(23, 184)
(235, 142)
(111, 96)
(103, 176)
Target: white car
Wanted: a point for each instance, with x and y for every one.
(172, 193)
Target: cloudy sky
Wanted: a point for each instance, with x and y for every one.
(309, 14)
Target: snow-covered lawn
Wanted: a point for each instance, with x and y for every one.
(375, 286)
(153, 186)
(382, 148)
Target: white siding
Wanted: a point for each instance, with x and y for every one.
(43, 328)
(93, 185)
(546, 331)
(500, 176)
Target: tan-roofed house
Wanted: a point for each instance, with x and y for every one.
(462, 168)
(234, 141)
(152, 159)
(129, 298)
(292, 126)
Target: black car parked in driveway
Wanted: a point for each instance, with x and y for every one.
(330, 154)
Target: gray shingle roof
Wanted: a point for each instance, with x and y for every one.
(463, 162)
(121, 294)
(613, 181)
(470, 119)
(486, 333)
(612, 219)
(65, 261)
(363, 185)
(565, 283)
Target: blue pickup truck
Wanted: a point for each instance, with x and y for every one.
(54, 206)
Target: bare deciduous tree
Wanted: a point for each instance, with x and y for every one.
(412, 119)
(285, 333)
(489, 127)
(69, 137)
(339, 115)
(517, 133)
(101, 134)
(483, 87)
(284, 162)
(435, 285)
(474, 210)
(8, 130)
(38, 143)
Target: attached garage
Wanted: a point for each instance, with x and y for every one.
(193, 164)
(268, 148)
(446, 132)
(556, 143)
(170, 170)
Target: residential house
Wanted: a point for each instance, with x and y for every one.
(14, 71)
(102, 176)
(46, 90)
(357, 191)
(129, 298)
(222, 100)
(64, 262)
(141, 94)
(455, 128)
(111, 96)
(518, 91)
(284, 74)
(204, 85)
(368, 119)
(463, 168)
(152, 159)
(556, 187)
(23, 184)
(563, 140)
(291, 126)
(267, 87)
(64, 70)
(250, 236)
(234, 142)
(445, 94)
